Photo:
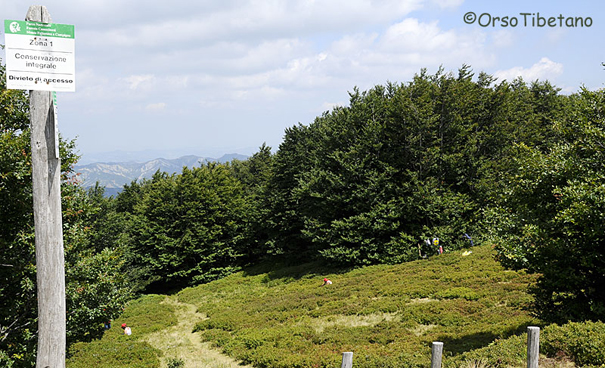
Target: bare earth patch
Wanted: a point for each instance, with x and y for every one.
(319, 324)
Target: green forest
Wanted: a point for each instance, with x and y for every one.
(473, 161)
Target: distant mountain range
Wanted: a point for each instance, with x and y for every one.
(114, 175)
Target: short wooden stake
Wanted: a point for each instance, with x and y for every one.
(347, 360)
(533, 346)
(437, 352)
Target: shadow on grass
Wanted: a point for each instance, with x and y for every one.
(466, 343)
(281, 269)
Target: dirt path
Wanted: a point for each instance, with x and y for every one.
(179, 343)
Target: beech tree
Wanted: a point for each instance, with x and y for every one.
(188, 228)
(551, 215)
(365, 183)
(95, 289)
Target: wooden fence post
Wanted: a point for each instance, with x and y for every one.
(533, 347)
(347, 360)
(437, 352)
(50, 261)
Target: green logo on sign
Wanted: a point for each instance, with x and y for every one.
(14, 27)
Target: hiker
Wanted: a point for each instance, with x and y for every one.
(428, 244)
(424, 248)
(439, 247)
(469, 238)
(127, 330)
(420, 254)
(326, 282)
(107, 325)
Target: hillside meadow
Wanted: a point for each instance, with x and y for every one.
(388, 316)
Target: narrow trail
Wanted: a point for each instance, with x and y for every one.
(179, 342)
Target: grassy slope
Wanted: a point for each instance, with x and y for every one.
(386, 315)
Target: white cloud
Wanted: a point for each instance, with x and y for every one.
(220, 63)
(444, 4)
(272, 47)
(329, 106)
(252, 20)
(353, 44)
(411, 34)
(134, 81)
(545, 69)
(401, 50)
(502, 38)
(160, 106)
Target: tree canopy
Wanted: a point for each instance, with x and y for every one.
(553, 210)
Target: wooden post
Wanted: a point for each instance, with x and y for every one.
(50, 262)
(437, 352)
(347, 360)
(533, 347)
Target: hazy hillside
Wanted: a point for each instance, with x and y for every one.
(114, 175)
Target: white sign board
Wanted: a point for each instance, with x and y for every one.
(40, 56)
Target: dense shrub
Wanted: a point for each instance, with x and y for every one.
(119, 353)
(583, 342)
(145, 315)
(501, 353)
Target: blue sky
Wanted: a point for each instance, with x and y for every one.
(214, 77)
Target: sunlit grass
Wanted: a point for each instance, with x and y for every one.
(380, 312)
(277, 318)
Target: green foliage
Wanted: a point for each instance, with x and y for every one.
(175, 363)
(145, 315)
(583, 342)
(254, 174)
(96, 293)
(442, 156)
(124, 353)
(382, 313)
(17, 270)
(387, 315)
(551, 214)
(364, 184)
(96, 286)
(501, 353)
(187, 228)
(95, 289)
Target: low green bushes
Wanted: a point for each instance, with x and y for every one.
(126, 352)
(144, 315)
(500, 353)
(387, 315)
(584, 342)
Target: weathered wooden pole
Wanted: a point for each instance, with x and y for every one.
(50, 262)
(533, 346)
(437, 352)
(347, 360)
